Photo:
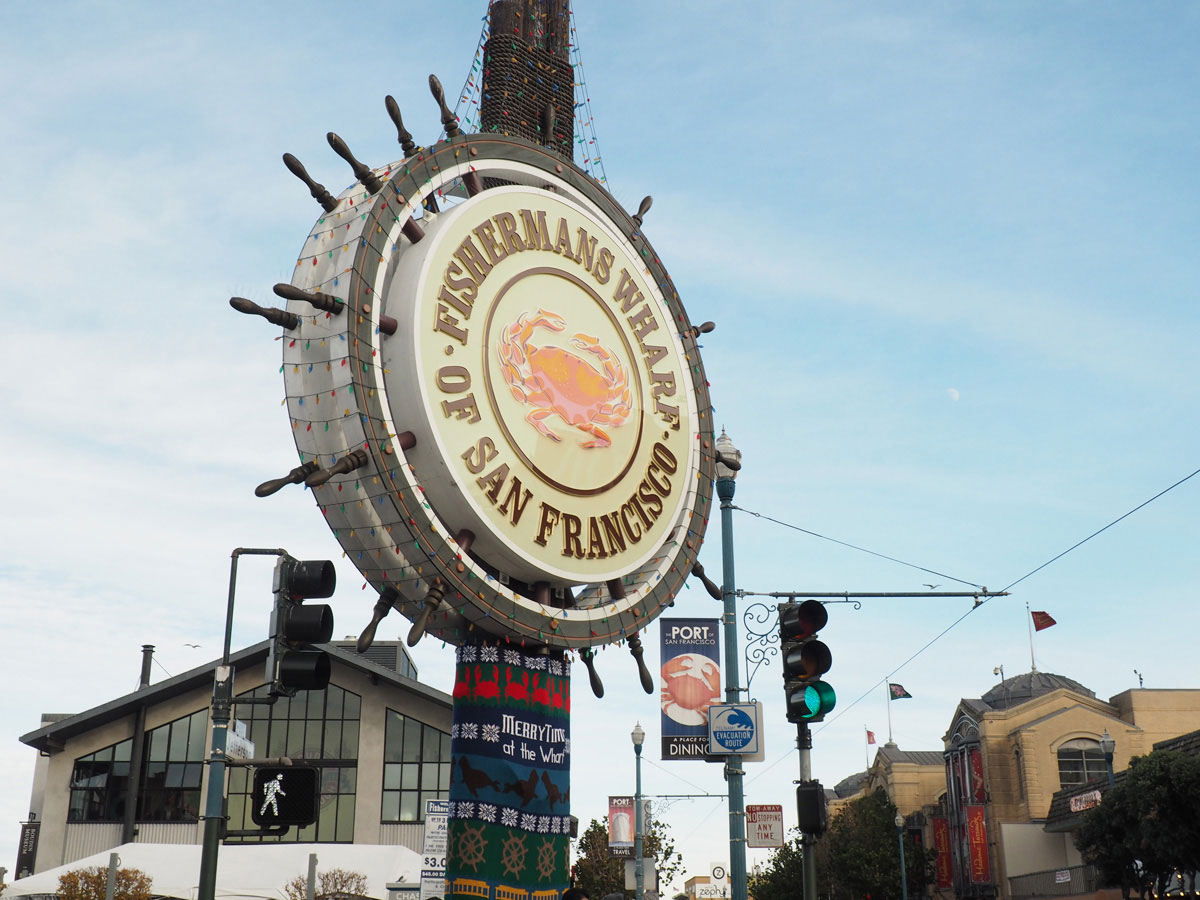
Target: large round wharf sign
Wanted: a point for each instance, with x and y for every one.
(514, 394)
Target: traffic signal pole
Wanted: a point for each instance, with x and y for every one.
(807, 862)
(222, 707)
(733, 765)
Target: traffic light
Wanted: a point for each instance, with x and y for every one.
(285, 795)
(292, 664)
(805, 660)
(811, 815)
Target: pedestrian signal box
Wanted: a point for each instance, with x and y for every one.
(285, 795)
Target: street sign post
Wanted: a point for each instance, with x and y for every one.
(764, 826)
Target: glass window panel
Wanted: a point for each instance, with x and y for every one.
(295, 738)
(430, 745)
(391, 806)
(104, 755)
(327, 821)
(122, 750)
(156, 772)
(408, 806)
(298, 708)
(179, 738)
(316, 705)
(79, 804)
(410, 774)
(345, 818)
(333, 740)
(411, 750)
(238, 780)
(393, 740)
(237, 812)
(193, 773)
(120, 769)
(257, 732)
(280, 708)
(391, 777)
(197, 735)
(429, 778)
(350, 710)
(305, 835)
(153, 806)
(334, 699)
(158, 743)
(445, 746)
(347, 780)
(314, 746)
(175, 775)
(278, 742)
(444, 777)
(350, 739)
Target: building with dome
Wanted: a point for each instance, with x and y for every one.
(1009, 752)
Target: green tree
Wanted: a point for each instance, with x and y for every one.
(783, 873)
(91, 883)
(860, 854)
(1146, 828)
(599, 873)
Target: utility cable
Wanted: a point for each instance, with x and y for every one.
(862, 549)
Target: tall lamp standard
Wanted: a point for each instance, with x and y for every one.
(903, 872)
(729, 463)
(638, 735)
(1107, 746)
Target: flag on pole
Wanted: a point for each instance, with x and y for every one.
(1041, 620)
(870, 737)
(898, 692)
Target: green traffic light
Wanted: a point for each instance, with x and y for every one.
(817, 699)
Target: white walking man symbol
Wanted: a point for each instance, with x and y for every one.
(272, 790)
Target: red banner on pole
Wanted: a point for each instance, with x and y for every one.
(941, 843)
(981, 872)
(978, 791)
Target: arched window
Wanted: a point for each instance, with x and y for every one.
(1080, 761)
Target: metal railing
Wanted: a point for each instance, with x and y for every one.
(1062, 882)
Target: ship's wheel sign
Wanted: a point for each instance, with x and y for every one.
(497, 396)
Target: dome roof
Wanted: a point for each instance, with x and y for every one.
(1022, 688)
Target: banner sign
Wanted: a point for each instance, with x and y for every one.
(764, 826)
(27, 849)
(690, 681)
(978, 789)
(977, 840)
(509, 832)
(620, 826)
(941, 843)
(433, 850)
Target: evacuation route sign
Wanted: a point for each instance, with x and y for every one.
(764, 826)
(433, 850)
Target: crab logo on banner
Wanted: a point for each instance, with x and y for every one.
(690, 682)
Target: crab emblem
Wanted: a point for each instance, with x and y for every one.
(558, 382)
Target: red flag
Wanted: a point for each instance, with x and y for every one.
(1041, 619)
(870, 737)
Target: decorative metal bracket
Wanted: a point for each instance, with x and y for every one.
(762, 637)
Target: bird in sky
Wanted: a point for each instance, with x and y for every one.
(191, 645)
(932, 586)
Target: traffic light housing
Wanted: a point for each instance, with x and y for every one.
(812, 816)
(285, 795)
(292, 664)
(805, 660)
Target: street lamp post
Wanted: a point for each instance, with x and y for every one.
(729, 462)
(903, 872)
(638, 735)
(1107, 746)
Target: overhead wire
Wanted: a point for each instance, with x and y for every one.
(980, 601)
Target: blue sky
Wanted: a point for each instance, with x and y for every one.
(950, 250)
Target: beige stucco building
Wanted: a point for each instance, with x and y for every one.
(984, 799)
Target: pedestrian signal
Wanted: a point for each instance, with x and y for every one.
(285, 795)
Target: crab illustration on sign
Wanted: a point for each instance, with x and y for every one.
(558, 382)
